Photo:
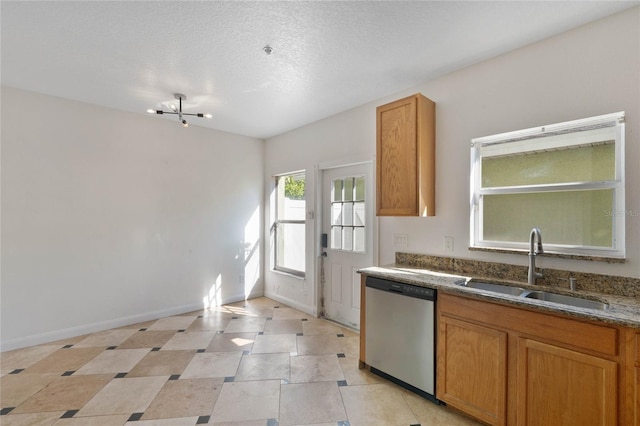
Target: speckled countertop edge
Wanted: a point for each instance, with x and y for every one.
(622, 310)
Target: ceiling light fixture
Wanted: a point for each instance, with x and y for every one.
(178, 111)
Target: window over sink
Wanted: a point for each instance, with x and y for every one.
(566, 179)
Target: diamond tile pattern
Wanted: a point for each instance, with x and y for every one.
(255, 362)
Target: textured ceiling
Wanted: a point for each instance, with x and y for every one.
(327, 56)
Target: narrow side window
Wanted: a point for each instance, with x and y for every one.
(289, 226)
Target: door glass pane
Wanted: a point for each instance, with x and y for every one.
(358, 239)
(359, 193)
(347, 238)
(347, 194)
(347, 214)
(336, 214)
(336, 193)
(358, 214)
(336, 237)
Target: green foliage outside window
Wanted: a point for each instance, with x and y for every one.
(294, 188)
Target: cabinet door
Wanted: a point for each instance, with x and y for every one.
(397, 158)
(472, 369)
(558, 386)
(637, 397)
(636, 391)
(405, 157)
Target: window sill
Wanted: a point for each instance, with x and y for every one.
(553, 255)
(289, 274)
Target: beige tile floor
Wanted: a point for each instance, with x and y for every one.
(254, 363)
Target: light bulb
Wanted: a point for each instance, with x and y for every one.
(151, 111)
(208, 116)
(184, 123)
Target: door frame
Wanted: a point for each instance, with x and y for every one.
(319, 170)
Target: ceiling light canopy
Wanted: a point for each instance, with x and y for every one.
(178, 111)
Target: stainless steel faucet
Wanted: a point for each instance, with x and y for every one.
(535, 247)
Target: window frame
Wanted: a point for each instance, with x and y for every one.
(536, 137)
(276, 226)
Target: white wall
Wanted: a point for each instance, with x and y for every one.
(585, 72)
(111, 218)
(341, 139)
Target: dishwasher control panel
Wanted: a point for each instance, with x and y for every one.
(422, 292)
(401, 288)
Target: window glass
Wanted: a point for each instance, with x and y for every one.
(585, 163)
(290, 226)
(566, 217)
(291, 189)
(291, 247)
(566, 179)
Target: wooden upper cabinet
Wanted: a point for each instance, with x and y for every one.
(405, 157)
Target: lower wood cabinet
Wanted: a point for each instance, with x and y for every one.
(637, 397)
(564, 387)
(636, 390)
(472, 369)
(510, 366)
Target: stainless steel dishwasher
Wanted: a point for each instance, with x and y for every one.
(400, 334)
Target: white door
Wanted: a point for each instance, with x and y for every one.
(347, 220)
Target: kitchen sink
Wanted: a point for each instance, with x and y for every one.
(497, 288)
(566, 300)
(545, 296)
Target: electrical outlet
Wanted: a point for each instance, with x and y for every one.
(448, 244)
(400, 240)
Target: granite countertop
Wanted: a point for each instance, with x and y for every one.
(622, 310)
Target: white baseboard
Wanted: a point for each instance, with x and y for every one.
(307, 309)
(66, 333)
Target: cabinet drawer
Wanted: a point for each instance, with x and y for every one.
(638, 349)
(575, 333)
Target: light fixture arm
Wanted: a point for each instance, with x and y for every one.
(178, 112)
